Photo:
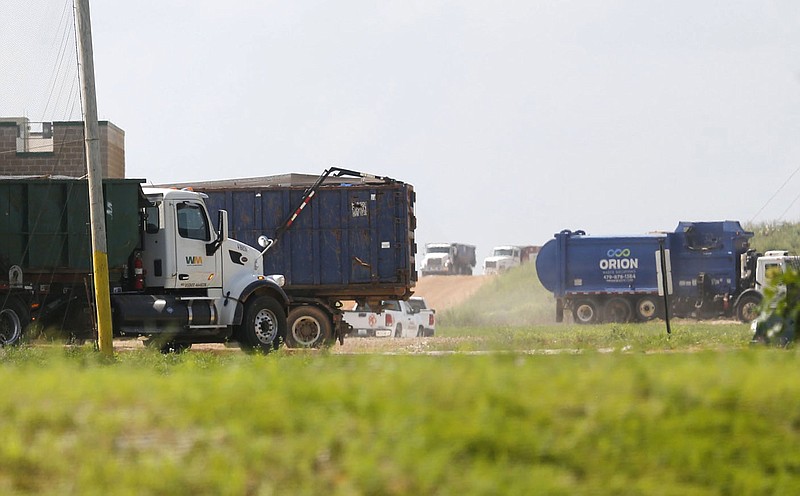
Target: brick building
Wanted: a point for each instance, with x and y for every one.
(56, 148)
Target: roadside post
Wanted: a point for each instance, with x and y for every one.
(664, 279)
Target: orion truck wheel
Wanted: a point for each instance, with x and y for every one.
(617, 309)
(263, 326)
(748, 308)
(13, 320)
(647, 308)
(585, 312)
(309, 327)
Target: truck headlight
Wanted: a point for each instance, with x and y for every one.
(278, 279)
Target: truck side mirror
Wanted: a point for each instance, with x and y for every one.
(222, 225)
(222, 233)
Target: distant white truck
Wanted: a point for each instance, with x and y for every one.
(508, 257)
(397, 318)
(448, 259)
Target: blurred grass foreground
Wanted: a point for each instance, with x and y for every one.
(508, 423)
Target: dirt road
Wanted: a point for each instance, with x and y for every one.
(443, 292)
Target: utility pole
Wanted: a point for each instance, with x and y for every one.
(91, 131)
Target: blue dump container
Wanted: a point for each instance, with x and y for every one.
(350, 241)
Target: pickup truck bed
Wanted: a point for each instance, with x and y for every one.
(398, 318)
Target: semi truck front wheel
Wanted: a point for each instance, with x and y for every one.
(748, 308)
(264, 325)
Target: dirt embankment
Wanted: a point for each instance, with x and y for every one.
(443, 292)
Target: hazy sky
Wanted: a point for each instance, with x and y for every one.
(512, 119)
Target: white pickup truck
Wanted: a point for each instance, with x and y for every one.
(399, 319)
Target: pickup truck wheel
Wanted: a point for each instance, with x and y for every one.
(617, 310)
(398, 331)
(309, 327)
(263, 326)
(13, 319)
(421, 332)
(585, 312)
(748, 308)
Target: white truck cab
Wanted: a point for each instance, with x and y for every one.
(502, 259)
(772, 263)
(198, 285)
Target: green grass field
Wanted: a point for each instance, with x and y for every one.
(700, 422)
(531, 408)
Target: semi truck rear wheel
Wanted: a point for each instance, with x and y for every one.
(647, 308)
(13, 319)
(617, 309)
(263, 326)
(585, 312)
(309, 327)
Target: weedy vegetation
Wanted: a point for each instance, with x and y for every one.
(499, 407)
(775, 236)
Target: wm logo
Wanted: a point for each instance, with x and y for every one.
(194, 260)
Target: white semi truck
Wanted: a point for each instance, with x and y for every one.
(507, 257)
(174, 279)
(448, 259)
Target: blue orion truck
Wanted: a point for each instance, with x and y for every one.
(709, 266)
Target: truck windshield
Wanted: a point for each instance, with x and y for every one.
(506, 252)
(438, 249)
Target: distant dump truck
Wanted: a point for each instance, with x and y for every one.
(448, 259)
(508, 257)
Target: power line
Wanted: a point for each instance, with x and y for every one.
(774, 195)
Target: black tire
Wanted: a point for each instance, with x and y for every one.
(398, 331)
(584, 312)
(421, 332)
(647, 308)
(308, 327)
(263, 325)
(14, 318)
(618, 310)
(174, 347)
(166, 344)
(748, 308)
